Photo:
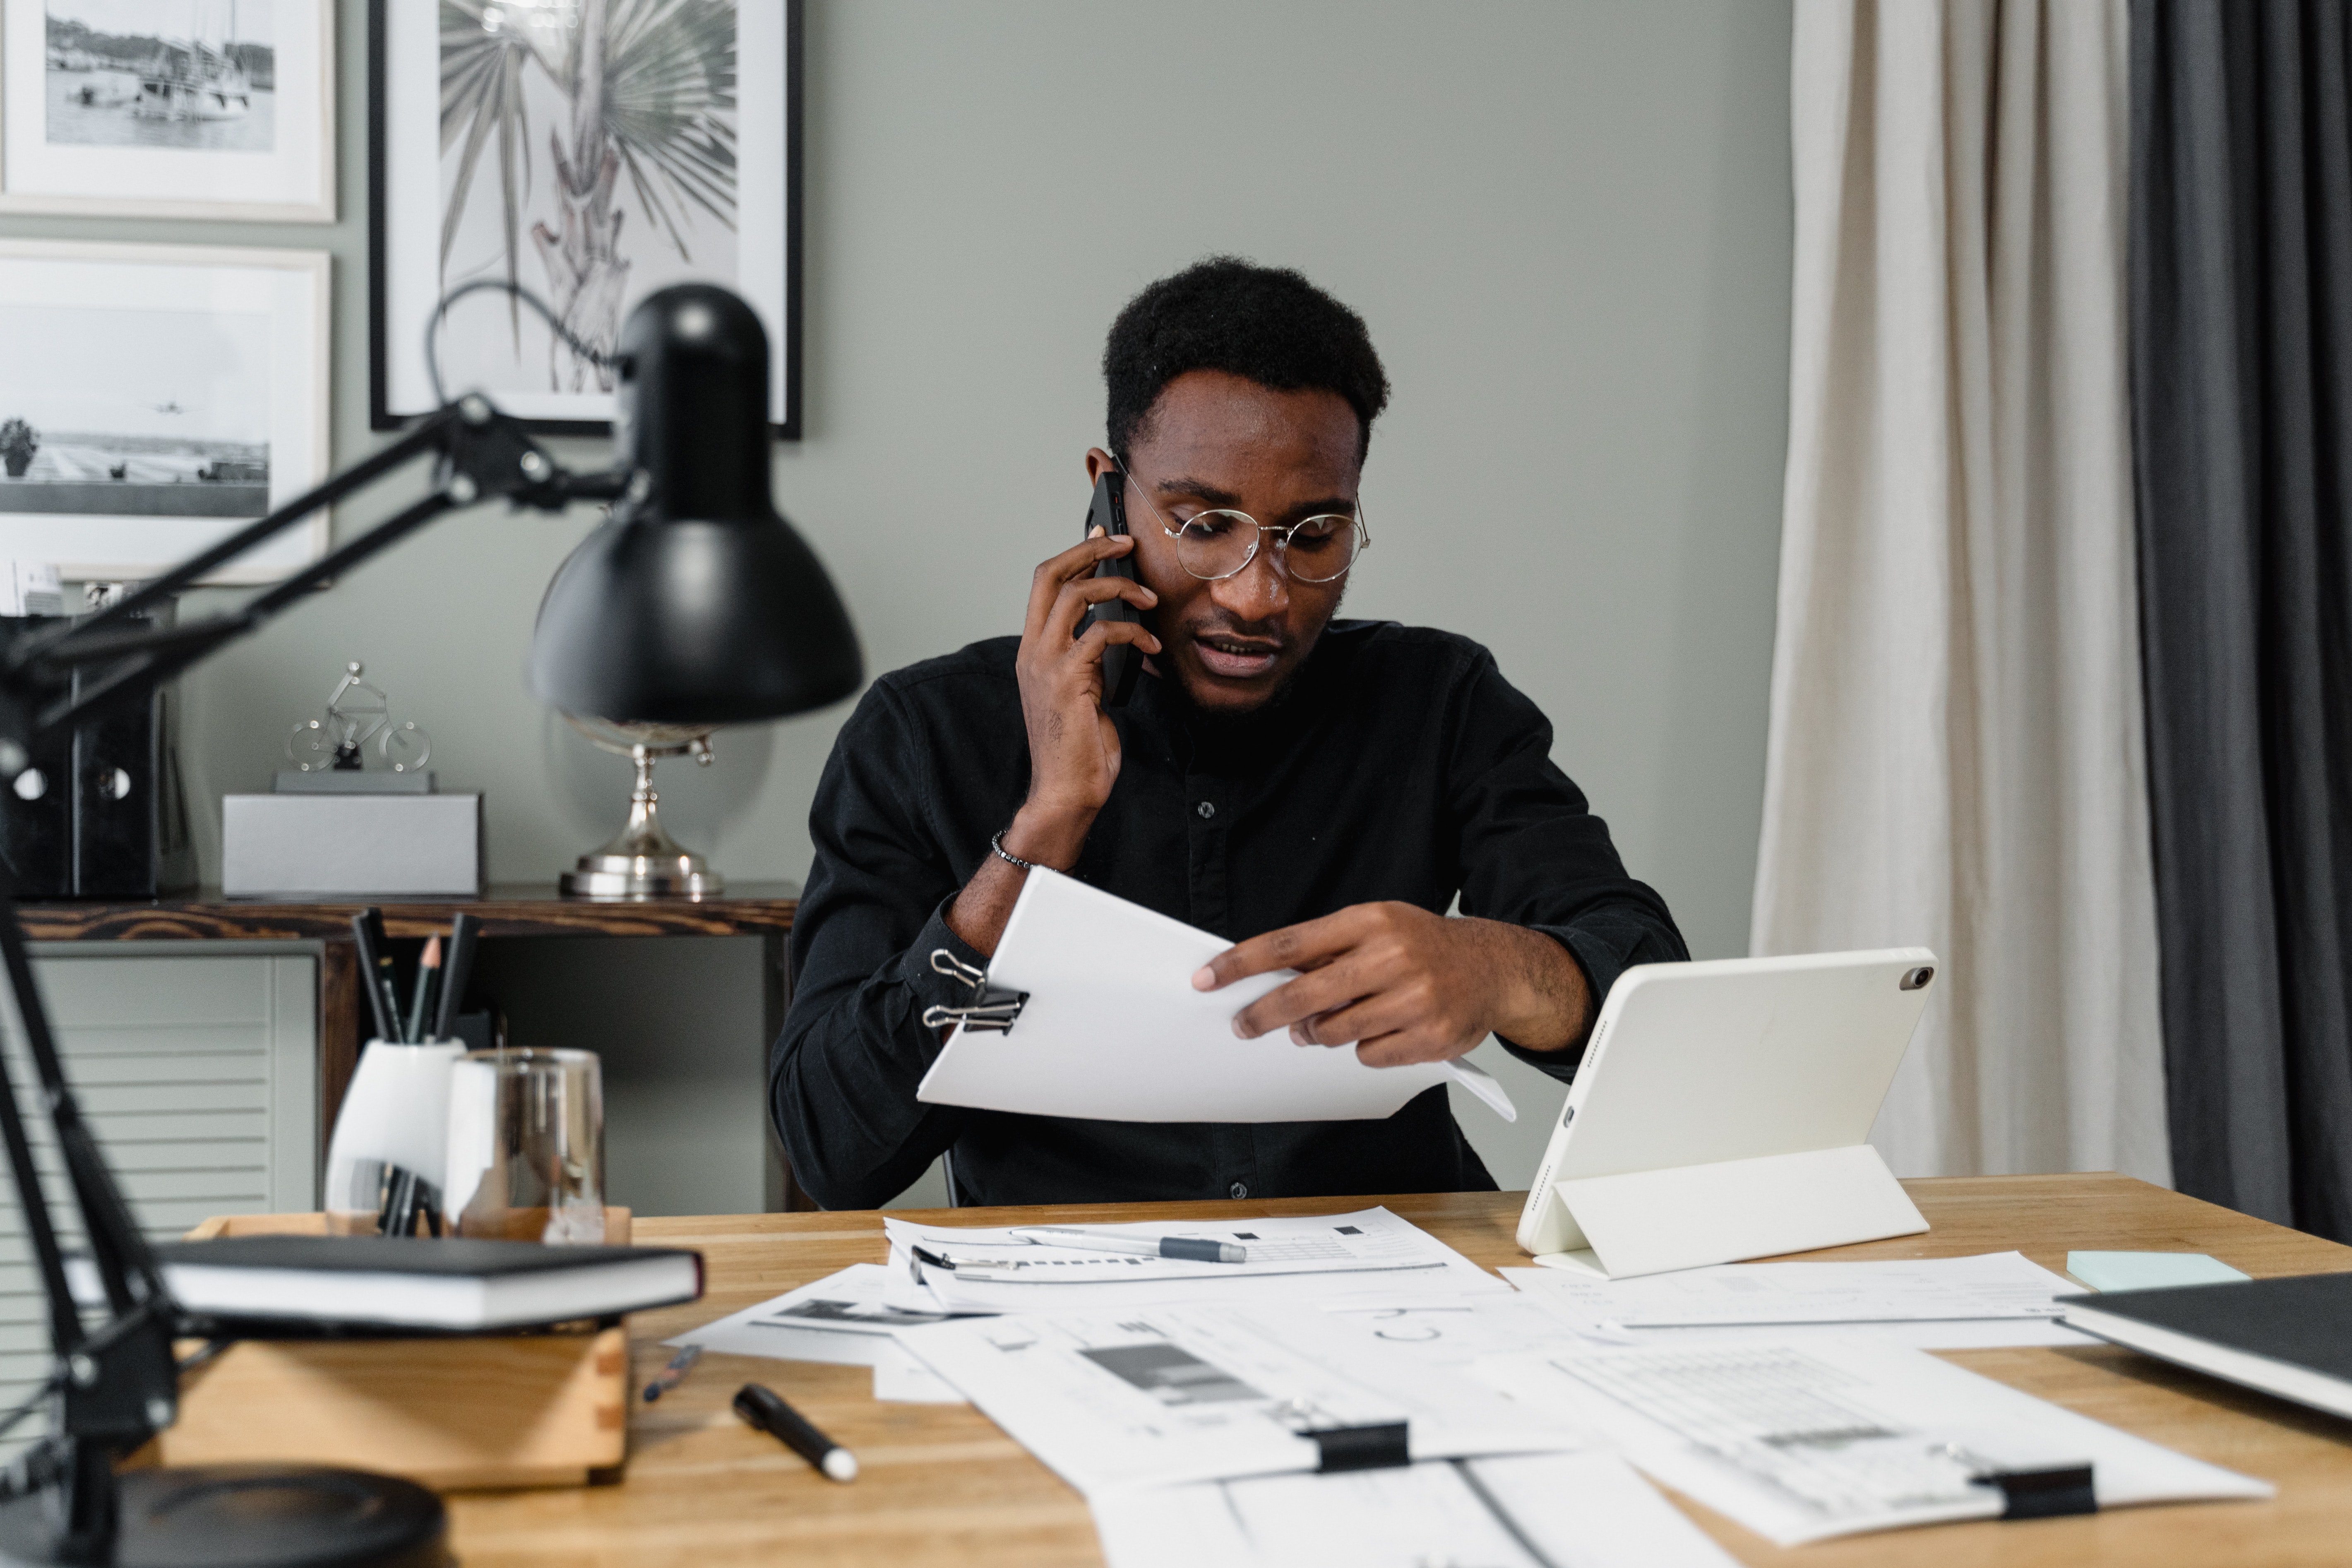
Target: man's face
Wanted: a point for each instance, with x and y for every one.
(1214, 440)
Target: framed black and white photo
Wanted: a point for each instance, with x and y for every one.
(206, 109)
(590, 153)
(156, 399)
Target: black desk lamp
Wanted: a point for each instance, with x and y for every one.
(695, 605)
(632, 645)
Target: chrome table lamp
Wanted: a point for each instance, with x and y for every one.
(643, 861)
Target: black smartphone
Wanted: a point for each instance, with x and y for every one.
(1121, 661)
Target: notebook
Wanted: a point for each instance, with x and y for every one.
(2290, 1337)
(379, 1282)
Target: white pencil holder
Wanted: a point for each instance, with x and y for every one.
(395, 1115)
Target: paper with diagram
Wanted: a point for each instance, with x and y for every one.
(1168, 1395)
(973, 1269)
(1822, 1438)
(842, 1319)
(1112, 1030)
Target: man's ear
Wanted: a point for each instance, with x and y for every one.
(1099, 463)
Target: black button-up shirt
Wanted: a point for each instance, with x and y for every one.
(1399, 765)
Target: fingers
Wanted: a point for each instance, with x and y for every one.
(1303, 946)
(1072, 601)
(1407, 1047)
(1078, 561)
(1323, 990)
(1102, 634)
(1365, 1017)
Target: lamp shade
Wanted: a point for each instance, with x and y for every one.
(696, 603)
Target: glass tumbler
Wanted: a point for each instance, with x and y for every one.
(526, 1146)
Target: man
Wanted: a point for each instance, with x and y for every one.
(1317, 791)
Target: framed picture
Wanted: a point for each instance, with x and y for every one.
(590, 153)
(209, 109)
(155, 398)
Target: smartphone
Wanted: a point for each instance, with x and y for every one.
(1121, 661)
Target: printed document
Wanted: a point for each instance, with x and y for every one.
(980, 1269)
(1159, 1396)
(1938, 1304)
(1533, 1510)
(1822, 1437)
(842, 1319)
(1113, 1030)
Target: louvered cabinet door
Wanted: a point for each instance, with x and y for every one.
(199, 1075)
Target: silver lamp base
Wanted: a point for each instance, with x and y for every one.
(602, 876)
(643, 861)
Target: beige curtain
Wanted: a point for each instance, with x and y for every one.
(1955, 752)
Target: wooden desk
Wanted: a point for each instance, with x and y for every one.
(764, 910)
(939, 1484)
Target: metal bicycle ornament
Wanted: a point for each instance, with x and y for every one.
(643, 861)
(356, 714)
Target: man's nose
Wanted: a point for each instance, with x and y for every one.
(1257, 592)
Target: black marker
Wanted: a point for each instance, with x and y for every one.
(765, 1409)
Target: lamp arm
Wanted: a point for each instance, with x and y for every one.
(485, 455)
(116, 1383)
(431, 433)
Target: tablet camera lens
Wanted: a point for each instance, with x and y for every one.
(1916, 978)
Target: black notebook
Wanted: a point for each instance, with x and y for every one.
(378, 1282)
(2290, 1337)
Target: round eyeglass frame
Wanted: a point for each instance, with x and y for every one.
(1281, 544)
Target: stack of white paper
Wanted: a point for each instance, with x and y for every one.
(1113, 1030)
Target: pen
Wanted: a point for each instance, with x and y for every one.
(1191, 1249)
(465, 934)
(363, 930)
(428, 977)
(765, 1409)
(674, 1374)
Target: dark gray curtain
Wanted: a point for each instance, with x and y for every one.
(2241, 348)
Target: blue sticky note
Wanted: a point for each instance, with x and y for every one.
(2149, 1271)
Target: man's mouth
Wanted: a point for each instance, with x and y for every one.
(1237, 658)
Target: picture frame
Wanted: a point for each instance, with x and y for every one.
(710, 194)
(101, 118)
(155, 399)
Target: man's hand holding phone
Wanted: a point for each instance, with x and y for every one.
(1073, 744)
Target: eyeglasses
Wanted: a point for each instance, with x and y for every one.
(1219, 544)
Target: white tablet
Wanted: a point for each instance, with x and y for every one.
(1737, 1058)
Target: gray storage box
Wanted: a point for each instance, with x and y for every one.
(352, 844)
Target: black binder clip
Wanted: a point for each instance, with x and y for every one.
(991, 1013)
(2035, 1491)
(1376, 1447)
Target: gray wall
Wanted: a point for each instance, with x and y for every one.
(1568, 225)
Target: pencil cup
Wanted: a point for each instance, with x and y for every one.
(394, 1121)
(526, 1146)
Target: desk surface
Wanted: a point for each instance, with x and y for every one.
(939, 1484)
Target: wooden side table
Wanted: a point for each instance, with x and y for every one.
(764, 910)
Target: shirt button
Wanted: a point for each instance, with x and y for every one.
(1238, 1190)
(1207, 809)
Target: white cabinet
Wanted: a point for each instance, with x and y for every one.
(198, 1073)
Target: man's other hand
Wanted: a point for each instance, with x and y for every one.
(1407, 986)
